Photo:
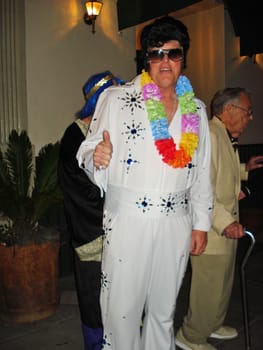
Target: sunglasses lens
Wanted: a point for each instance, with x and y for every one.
(175, 54)
(156, 56)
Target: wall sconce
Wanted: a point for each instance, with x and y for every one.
(93, 9)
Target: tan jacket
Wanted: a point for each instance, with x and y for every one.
(226, 175)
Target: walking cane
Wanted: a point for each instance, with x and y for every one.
(244, 289)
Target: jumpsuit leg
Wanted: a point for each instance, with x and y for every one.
(169, 264)
(143, 268)
(124, 282)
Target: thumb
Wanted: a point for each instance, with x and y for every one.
(106, 137)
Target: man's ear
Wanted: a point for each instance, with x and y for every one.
(228, 107)
(227, 113)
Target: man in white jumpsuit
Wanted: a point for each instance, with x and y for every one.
(149, 150)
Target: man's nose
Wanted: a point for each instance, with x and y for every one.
(165, 57)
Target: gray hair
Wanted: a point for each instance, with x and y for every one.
(223, 97)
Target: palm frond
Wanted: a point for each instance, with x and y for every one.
(44, 201)
(5, 182)
(19, 160)
(46, 190)
(15, 173)
(46, 179)
(28, 188)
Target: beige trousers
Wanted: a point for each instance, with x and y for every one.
(211, 287)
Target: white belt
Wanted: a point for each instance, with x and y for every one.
(148, 204)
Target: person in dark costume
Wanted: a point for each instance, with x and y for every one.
(83, 210)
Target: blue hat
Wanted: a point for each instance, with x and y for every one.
(93, 88)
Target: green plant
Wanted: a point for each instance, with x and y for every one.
(28, 188)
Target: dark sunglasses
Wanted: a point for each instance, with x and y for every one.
(156, 56)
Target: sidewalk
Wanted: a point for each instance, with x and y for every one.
(254, 287)
(61, 331)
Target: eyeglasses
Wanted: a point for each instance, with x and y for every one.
(156, 56)
(248, 111)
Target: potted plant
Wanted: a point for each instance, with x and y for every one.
(28, 250)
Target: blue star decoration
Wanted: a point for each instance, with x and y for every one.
(190, 166)
(104, 280)
(172, 202)
(107, 229)
(168, 204)
(129, 162)
(133, 131)
(132, 100)
(144, 204)
(105, 341)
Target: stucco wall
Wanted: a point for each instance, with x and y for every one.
(61, 53)
(206, 60)
(215, 63)
(246, 72)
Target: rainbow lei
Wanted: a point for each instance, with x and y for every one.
(177, 158)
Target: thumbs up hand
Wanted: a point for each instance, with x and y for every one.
(103, 152)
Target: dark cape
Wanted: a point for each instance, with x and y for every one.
(84, 211)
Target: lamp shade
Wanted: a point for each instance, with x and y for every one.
(93, 7)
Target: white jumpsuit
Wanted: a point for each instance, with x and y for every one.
(149, 213)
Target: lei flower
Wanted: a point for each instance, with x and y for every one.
(177, 158)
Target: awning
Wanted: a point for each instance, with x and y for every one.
(133, 12)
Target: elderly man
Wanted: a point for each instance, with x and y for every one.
(213, 271)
